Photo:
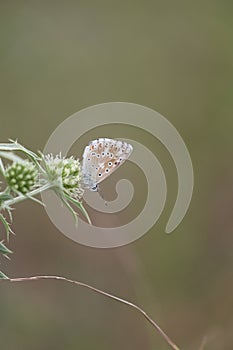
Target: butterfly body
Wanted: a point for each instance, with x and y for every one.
(101, 158)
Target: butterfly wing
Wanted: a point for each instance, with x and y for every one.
(101, 158)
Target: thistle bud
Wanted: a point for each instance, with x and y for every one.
(66, 173)
(21, 177)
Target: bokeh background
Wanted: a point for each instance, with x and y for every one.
(176, 57)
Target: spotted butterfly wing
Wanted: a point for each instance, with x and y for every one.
(101, 158)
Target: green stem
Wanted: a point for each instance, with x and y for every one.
(33, 193)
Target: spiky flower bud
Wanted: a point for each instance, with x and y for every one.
(21, 177)
(66, 173)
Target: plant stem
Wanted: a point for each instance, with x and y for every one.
(108, 295)
(30, 194)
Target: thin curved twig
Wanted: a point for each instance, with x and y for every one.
(204, 342)
(108, 295)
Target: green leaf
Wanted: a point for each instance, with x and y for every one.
(64, 201)
(15, 146)
(9, 209)
(4, 249)
(9, 146)
(4, 196)
(3, 276)
(11, 156)
(79, 206)
(2, 169)
(35, 200)
(34, 157)
(6, 226)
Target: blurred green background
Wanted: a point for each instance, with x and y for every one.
(176, 57)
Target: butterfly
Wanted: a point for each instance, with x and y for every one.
(101, 158)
